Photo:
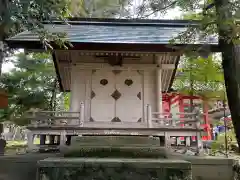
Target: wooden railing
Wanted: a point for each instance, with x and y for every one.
(153, 120)
(156, 124)
(57, 118)
(167, 119)
(193, 120)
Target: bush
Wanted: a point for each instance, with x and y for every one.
(236, 170)
(220, 146)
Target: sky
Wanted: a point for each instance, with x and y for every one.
(171, 14)
(6, 67)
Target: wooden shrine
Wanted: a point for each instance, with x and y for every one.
(116, 72)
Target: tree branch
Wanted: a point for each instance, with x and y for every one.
(161, 9)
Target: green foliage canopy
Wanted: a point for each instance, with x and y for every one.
(205, 75)
(30, 84)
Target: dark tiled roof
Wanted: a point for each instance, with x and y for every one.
(116, 31)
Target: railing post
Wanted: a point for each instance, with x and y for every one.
(188, 141)
(198, 134)
(62, 139)
(149, 116)
(82, 115)
(173, 122)
(30, 143)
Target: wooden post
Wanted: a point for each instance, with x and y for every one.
(63, 139)
(167, 141)
(82, 115)
(173, 122)
(198, 134)
(149, 116)
(188, 141)
(30, 141)
(159, 90)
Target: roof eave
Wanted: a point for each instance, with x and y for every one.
(147, 47)
(126, 22)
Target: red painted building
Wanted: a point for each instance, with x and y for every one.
(178, 103)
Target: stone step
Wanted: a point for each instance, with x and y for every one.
(114, 146)
(114, 152)
(112, 141)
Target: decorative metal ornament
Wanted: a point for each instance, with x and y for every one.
(104, 82)
(93, 94)
(128, 82)
(116, 119)
(116, 95)
(139, 96)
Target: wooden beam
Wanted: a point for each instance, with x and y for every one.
(123, 67)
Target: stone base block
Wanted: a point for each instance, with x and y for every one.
(115, 141)
(114, 146)
(113, 168)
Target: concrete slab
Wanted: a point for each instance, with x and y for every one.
(209, 167)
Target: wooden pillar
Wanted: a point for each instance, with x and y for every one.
(188, 141)
(149, 116)
(198, 134)
(206, 119)
(167, 140)
(159, 89)
(75, 99)
(30, 141)
(63, 139)
(80, 92)
(82, 114)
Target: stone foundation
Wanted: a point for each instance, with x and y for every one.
(117, 168)
(24, 167)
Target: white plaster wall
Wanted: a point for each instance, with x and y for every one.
(149, 91)
(80, 90)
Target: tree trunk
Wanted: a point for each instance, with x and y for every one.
(53, 98)
(231, 67)
(1, 55)
(230, 63)
(3, 25)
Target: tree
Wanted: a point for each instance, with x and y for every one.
(31, 84)
(98, 8)
(200, 76)
(22, 15)
(229, 45)
(17, 16)
(67, 101)
(216, 17)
